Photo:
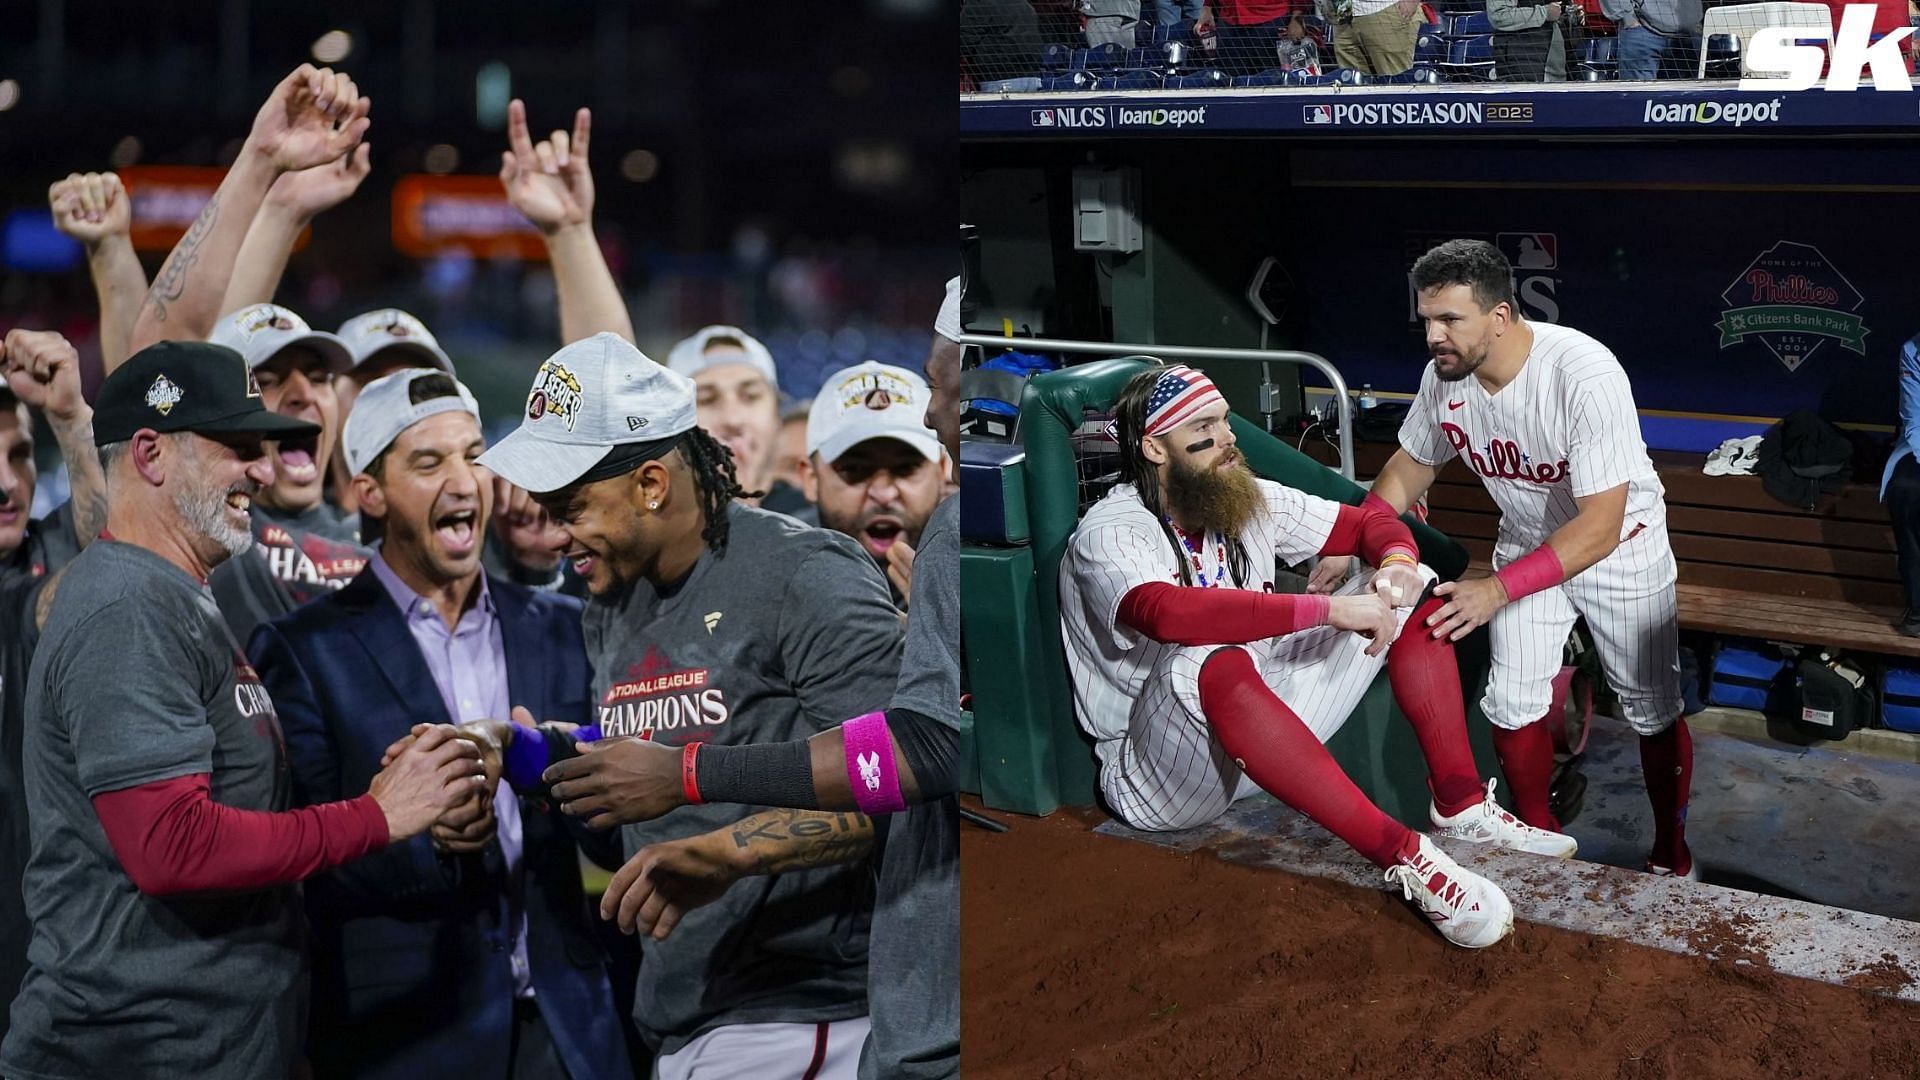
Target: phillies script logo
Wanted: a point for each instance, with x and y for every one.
(1504, 461)
(662, 701)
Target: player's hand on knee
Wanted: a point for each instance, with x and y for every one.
(1368, 615)
(1469, 606)
(1400, 585)
(1328, 575)
(618, 782)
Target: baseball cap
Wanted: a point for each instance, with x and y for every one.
(186, 386)
(391, 328)
(258, 333)
(690, 356)
(385, 408)
(593, 395)
(947, 323)
(870, 401)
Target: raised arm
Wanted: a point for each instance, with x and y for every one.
(314, 116)
(94, 209)
(43, 370)
(291, 204)
(552, 185)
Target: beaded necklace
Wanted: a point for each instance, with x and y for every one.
(1195, 548)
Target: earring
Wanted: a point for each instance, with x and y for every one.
(653, 506)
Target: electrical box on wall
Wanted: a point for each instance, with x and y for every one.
(1106, 209)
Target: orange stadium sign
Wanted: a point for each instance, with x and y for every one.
(433, 215)
(166, 199)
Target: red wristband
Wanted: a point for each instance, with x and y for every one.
(688, 787)
(1536, 570)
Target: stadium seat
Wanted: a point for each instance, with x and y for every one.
(1429, 49)
(1269, 77)
(1460, 7)
(1595, 62)
(1431, 29)
(1426, 75)
(1179, 32)
(1466, 26)
(1470, 59)
(1139, 59)
(1723, 57)
(1138, 79)
(1352, 77)
(1056, 58)
(1741, 20)
(1206, 79)
(1143, 34)
(1069, 80)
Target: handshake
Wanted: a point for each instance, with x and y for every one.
(460, 819)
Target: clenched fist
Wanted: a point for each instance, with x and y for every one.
(43, 370)
(91, 207)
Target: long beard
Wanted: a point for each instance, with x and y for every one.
(1219, 500)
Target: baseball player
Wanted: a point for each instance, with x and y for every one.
(167, 937)
(711, 623)
(1544, 415)
(1197, 681)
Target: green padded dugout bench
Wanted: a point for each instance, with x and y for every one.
(1029, 752)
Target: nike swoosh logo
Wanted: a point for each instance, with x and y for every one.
(1455, 404)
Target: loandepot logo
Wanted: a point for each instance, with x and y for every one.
(1735, 113)
(1793, 301)
(1173, 118)
(1419, 113)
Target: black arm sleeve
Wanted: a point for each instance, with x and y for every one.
(781, 774)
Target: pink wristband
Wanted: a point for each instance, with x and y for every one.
(1536, 570)
(1311, 609)
(870, 769)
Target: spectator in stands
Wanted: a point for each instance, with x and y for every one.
(1175, 12)
(1653, 31)
(1375, 36)
(1111, 21)
(1298, 52)
(1900, 485)
(1000, 44)
(1249, 32)
(1528, 45)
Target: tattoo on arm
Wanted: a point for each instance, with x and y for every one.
(780, 841)
(171, 282)
(88, 484)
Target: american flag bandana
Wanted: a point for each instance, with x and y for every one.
(1177, 396)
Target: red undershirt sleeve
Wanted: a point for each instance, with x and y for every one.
(1185, 616)
(1371, 530)
(172, 838)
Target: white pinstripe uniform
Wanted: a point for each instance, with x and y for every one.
(1564, 428)
(1160, 766)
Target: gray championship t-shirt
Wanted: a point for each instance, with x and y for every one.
(135, 680)
(784, 634)
(915, 955)
(295, 558)
(49, 545)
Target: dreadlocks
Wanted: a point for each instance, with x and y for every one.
(1130, 418)
(711, 464)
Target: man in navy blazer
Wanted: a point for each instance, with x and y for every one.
(466, 952)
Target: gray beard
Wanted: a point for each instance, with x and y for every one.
(205, 513)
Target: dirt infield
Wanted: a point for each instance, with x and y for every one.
(1087, 956)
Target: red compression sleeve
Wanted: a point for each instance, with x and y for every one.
(1181, 616)
(171, 837)
(1373, 531)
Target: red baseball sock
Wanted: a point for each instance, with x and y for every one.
(1526, 756)
(1426, 685)
(1271, 745)
(1666, 760)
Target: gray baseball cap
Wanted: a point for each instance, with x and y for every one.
(385, 408)
(690, 356)
(391, 328)
(586, 399)
(260, 332)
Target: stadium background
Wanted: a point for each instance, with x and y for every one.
(788, 169)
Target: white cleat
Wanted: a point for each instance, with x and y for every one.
(1487, 823)
(1692, 874)
(1467, 909)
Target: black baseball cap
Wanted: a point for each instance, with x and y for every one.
(186, 386)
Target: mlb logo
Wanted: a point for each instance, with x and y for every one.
(1529, 250)
(1317, 114)
(1043, 118)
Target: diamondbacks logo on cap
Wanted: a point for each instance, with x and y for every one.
(555, 391)
(399, 326)
(163, 395)
(266, 317)
(875, 390)
(878, 399)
